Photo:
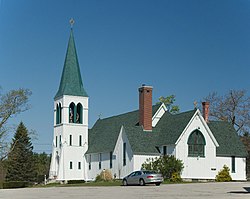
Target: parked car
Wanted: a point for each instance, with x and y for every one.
(142, 178)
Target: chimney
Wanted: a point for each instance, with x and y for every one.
(145, 107)
(205, 107)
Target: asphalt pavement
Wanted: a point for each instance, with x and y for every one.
(188, 191)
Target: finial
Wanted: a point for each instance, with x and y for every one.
(71, 21)
(99, 116)
(195, 104)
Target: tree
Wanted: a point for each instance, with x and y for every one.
(169, 103)
(233, 107)
(41, 167)
(246, 141)
(20, 164)
(167, 165)
(223, 175)
(11, 104)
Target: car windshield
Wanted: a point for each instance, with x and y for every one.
(149, 172)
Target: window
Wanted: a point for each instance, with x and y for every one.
(100, 161)
(79, 113)
(79, 165)
(164, 150)
(58, 113)
(56, 141)
(80, 140)
(60, 141)
(70, 140)
(233, 164)
(124, 154)
(196, 144)
(75, 113)
(72, 117)
(89, 162)
(110, 160)
(70, 165)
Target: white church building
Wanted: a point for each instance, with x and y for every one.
(123, 142)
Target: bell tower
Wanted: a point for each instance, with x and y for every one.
(70, 141)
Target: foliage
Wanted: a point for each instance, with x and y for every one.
(169, 103)
(166, 165)
(233, 107)
(105, 175)
(11, 104)
(20, 164)
(223, 175)
(76, 181)
(246, 141)
(41, 166)
(175, 177)
(15, 184)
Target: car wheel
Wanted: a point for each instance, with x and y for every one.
(124, 182)
(157, 184)
(141, 182)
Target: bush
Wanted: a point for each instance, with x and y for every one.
(223, 175)
(176, 177)
(76, 181)
(105, 175)
(15, 184)
(166, 165)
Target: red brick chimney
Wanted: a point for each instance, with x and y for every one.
(205, 107)
(145, 107)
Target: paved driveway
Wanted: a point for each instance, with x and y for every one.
(192, 191)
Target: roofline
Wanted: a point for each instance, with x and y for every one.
(197, 112)
(59, 97)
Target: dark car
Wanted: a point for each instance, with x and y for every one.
(142, 178)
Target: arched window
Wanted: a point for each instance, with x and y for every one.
(58, 113)
(196, 144)
(72, 115)
(79, 113)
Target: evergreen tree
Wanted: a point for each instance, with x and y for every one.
(20, 164)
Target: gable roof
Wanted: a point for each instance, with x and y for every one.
(105, 132)
(71, 80)
(228, 139)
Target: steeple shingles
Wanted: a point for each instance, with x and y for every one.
(71, 80)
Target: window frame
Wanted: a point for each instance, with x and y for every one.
(196, 144)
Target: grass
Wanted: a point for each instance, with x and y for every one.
(89, 184)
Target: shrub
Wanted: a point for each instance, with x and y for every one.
(166, 165)
(105, 175)
(15, 184)
(223, 175)
(176, 177)
(76, 181)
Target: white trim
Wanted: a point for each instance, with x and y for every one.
(157, 116)
(205, 125)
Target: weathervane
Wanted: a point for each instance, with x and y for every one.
(71, 21)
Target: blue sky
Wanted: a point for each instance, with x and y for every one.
(180, 47)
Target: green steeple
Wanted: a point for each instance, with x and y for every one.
(71, 80)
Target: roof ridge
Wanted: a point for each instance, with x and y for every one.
(122, 114)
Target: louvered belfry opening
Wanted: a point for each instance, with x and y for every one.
(145, 107)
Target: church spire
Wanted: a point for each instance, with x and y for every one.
(71, 80)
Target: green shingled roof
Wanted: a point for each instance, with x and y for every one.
(105, 132)
(228, 139)
(71, 80)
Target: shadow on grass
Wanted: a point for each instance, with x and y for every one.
(247, 191)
